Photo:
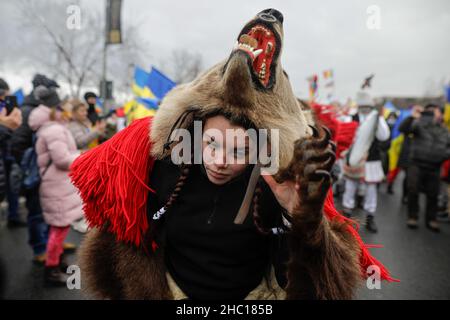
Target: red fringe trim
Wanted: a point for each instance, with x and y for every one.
(342, 132)
(113, 182)
(366, 258)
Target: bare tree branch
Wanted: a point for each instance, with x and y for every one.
(74, 56)
(185, 66)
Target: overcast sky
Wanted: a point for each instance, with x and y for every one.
(409, 54)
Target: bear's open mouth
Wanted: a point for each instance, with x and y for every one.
(260, 43)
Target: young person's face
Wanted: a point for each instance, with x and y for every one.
(437, 115)
(224, 157)
(80, 114)
(91, 100)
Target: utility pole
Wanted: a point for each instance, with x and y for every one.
(112, 36)
(103, 82)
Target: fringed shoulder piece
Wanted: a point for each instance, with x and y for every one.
(366, 259)
(112, 180)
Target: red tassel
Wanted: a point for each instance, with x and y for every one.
(112, 180)
(342, 132)
(366, 258)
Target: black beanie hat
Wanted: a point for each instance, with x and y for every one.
(47, 96)
(42, 80)
(88, 95)
(432, 106)
(3, 87)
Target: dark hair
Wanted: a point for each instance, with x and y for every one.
(237, 120)
(432, 106)
(4, 87)
(89, 94)
(42, 80)
(234, 118)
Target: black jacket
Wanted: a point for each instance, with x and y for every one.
(430, 144)
(201, 242)
(92, 114)
(5, 137)
(3, 180)
(403, 160)
(22, 137)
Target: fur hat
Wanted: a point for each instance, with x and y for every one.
(363, 98)
(250, 83)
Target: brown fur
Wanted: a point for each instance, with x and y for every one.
(326, 267)
(307, 111)
(115, 270)
(324, 256)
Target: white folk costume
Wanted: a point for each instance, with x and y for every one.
(363, 168)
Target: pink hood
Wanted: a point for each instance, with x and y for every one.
(38, 117)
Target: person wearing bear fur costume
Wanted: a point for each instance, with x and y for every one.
(166, 229)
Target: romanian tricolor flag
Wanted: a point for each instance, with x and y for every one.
(327, 74)
(388, 108)
(159, 83)
(312, 87)
(20, 96)
(149, 89)
(447, 107)
(135, 110)
(396, 145)
(140, 85)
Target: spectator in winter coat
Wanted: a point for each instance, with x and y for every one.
(56, 150)
(91, 100)
(430, 147)
(21, 140)
(85, 135)
(8, 122)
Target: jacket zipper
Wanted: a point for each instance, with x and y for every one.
(211, 216)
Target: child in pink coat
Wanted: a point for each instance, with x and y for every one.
(56, 150)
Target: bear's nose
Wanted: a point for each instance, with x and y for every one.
(271, 15)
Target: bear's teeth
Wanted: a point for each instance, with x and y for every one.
(262, 75)
(256, 53)
(244, 46)
(263, 66)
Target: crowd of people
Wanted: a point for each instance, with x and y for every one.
(39, 141)
(423, 157)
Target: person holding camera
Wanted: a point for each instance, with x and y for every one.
(10, 115)
(91, 100)
(85, 135)
(10, 119)
(21, 142)
(430, 147)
